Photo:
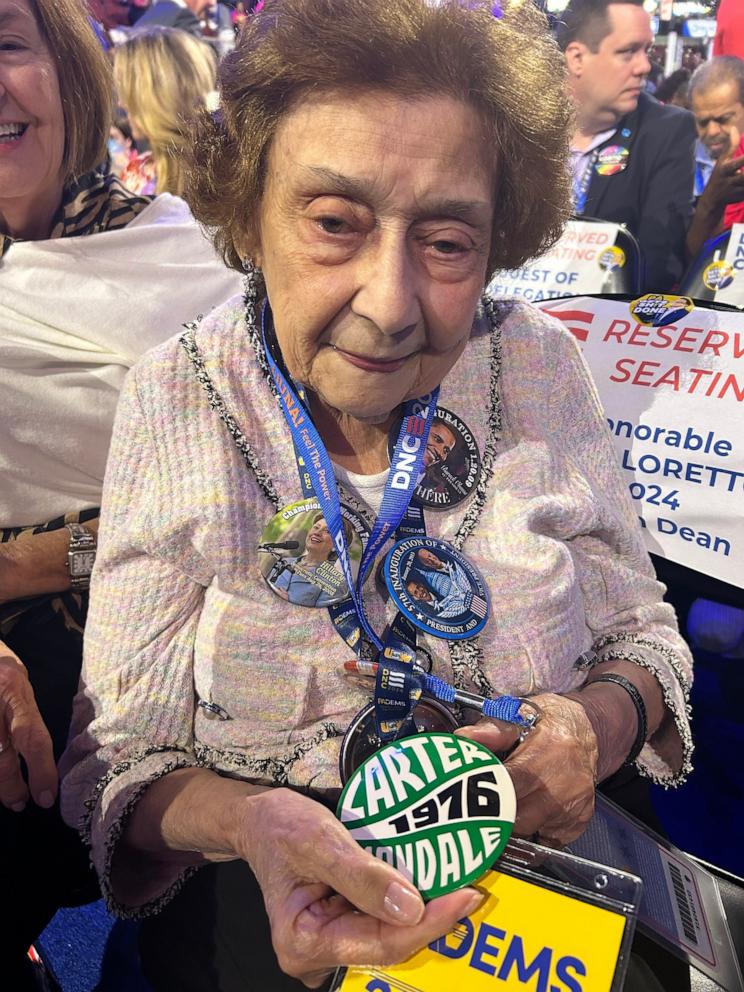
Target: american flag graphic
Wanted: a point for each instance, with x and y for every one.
(479, 607)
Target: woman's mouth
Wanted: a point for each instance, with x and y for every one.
(384, 365)
(12, 133)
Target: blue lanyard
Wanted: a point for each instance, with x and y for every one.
(399, 683)
(318, 479)
(582, 184)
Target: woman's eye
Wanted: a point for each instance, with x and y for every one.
(448, 247)
(333, 225)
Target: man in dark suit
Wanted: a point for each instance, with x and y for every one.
(633, 159)
(183, 14)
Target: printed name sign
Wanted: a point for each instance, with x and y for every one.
(673, 395)
(523, 938)
(577, 264)
(437, 807)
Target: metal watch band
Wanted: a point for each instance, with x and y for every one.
(640, 706)
(81, 539)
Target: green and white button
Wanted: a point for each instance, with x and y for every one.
(438, 807)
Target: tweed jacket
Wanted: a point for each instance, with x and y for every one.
(179, 612)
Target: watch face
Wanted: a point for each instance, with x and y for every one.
(81, 562)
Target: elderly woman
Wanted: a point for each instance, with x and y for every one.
(372, 164)
(90, 278)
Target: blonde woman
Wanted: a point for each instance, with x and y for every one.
(163, 76)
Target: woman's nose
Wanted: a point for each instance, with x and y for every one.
(387, 292)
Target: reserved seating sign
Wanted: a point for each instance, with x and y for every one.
(670, 376)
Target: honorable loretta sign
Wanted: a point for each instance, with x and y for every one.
(674, 400)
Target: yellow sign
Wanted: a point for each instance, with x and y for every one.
(529, 938)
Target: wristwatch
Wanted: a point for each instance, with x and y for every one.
(81, 555)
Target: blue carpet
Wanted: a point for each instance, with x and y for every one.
(91, 952)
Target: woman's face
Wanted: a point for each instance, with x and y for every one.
(318, 542)
(32, 130)
(374, 236)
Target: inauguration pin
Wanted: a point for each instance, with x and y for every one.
(611, 160)
(298, 559)
(452, 462)
(437, 807)
(437, 588)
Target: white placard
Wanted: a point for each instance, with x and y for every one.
(726, 275)
(578, 264)
(674, 400)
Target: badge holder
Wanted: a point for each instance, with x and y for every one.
(681, 907)
(549, 917)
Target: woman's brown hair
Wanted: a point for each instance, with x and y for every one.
(85, 82)
(506, 67)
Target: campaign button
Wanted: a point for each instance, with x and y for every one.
(298, 558)
(438, 807)
(361, 740)
(437, 588)
(612, 160)
(451, 464)
(612, 258)
(718, 275)
(659, 310)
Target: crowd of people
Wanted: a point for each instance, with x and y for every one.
(199, 252)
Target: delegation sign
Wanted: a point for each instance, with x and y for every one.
(579, 263)
(671, 379)
(524, 937)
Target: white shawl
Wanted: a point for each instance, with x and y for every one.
(75, 314)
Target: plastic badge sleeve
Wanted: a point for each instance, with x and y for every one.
(681, 907)
(551, 920)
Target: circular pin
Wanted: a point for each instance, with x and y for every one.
(612, 258)
(437, 588)
(361, 740)
(612, 160)
(438, 807)
(718, 275)
(297, 555)
(452, 462)
(659, 310)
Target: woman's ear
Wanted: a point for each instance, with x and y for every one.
(248, 247)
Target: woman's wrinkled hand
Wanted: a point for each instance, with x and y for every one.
(23, 734)
(554, 769)
(330, 902)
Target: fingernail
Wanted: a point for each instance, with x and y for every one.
(46, 799)
(476, 901)
(403, 904)
(18, 807)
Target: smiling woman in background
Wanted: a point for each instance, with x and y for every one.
(372, 164)
(81, 298)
